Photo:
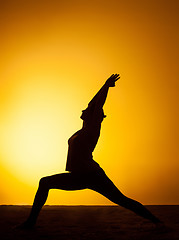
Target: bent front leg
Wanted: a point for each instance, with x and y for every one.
(64, 181)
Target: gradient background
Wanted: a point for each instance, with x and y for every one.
(55, 55)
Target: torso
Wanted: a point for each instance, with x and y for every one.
(81, 145)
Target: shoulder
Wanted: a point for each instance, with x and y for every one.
(98, 116)
(93, 116)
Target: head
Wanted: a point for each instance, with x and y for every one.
(87, 115)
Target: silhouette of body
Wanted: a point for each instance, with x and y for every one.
(84, 172)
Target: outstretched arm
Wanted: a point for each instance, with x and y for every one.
(100, 98)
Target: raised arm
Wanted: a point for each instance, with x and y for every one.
(99, 99)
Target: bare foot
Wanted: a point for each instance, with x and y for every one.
(161, 227)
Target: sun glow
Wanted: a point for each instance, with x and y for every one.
(33, 140)
(55, 56)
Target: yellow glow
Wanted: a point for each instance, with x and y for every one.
(31, 137)
(56, 55)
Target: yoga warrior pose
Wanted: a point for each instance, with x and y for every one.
(83, 171)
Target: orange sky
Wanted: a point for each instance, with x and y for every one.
(55, 55)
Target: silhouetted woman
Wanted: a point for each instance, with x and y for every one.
(83, 171)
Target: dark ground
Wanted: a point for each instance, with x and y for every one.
(89, 222)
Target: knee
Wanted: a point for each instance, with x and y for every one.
(43, 183)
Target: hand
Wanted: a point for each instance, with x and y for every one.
(112, 79)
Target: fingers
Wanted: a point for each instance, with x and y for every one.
(112, 79)
(115, 76)
(111, 76)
